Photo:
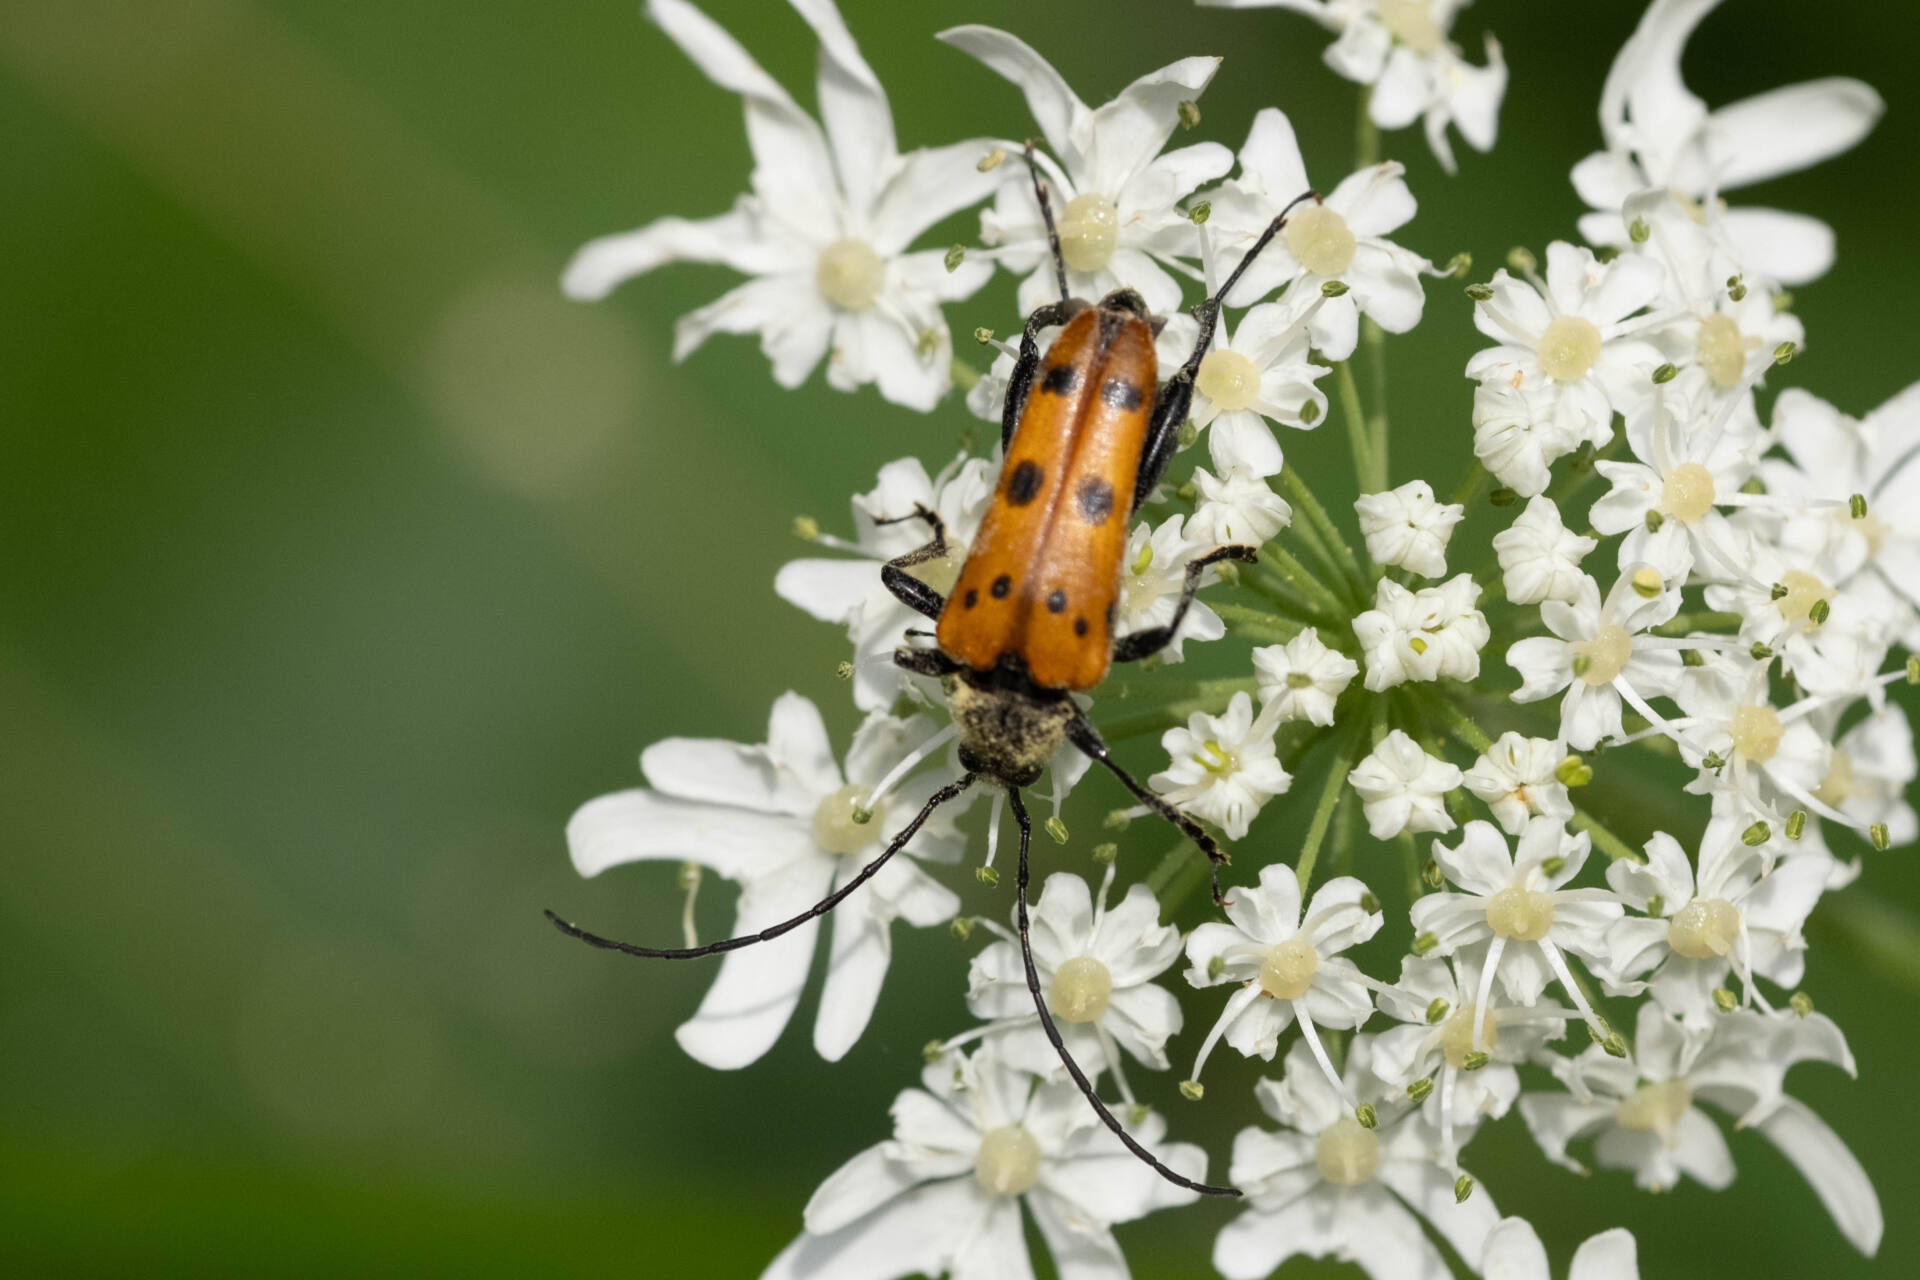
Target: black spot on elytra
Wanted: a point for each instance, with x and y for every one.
(1060, 379)
(1121, 394)
(1095, 498)
(972, 598)
(1024, 482)
(1080, 626)
(1057, 601)
(1001, 585)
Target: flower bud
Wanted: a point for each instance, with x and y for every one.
(1189, 114)
(1724, 1000)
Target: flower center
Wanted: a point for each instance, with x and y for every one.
(1299, 680)
(1088, 230)
(834, 829)
(1080, 990)
(1411, 23)
(1723, 350)
(850, 274)
(1009, 1161)
(1757, 732)
(1687, 492)
(1456, 1035)
(1804, 590)
(1228, 379)
(1704, 928)
(1214, 758)
(1524, 915)
(1837, 787)
(1346, 1154)
(1601, 660)
(1320, 240)
(1655, 1107)
(1568, 348)
(1287, 969)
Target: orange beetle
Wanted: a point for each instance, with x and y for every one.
(1086, 435)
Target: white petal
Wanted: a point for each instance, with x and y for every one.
(830, 590)
(857, 1188)
(733, 239)
(1514, 1252)
(1791, 247)
(1836, 1177)
(1055, 108)
(927, 186)
(640, 825)
(998, 1249)
(915, 1234)
(750, 1002)
(787, 312)
(1119, 139)
(1788, 129)
(1611, 1255)
(1081, 1250)
(1255, 1243)
(852, 105)
(1272, 154)
(857, 965)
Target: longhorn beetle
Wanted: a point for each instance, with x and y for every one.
(1086, 436)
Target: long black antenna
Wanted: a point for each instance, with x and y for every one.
(1046, 215)
(1053, 1032)
(1087, 738)
(768, 934)
(1208, 312)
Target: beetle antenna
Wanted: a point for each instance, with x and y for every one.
(1208, 312)
(1053, 1032)
(1046, 215)
(768, 934)
(1087, 738)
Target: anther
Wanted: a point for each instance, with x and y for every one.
(1189, 114)
(955, 256)
(1857, 506)
(1724, 1000)
(992, 160)
(1420, 1089)
(1801, 1003)
(806, 528)
(1480, 292)
(1057, 829)
(1638, 231)
(1366, 1115)
(1878, 834)
(1200, 212)
(1796, 824)
(1192, 1090)
(986, 876)
(1664, 374)
(1105, 852)
(1462, 1188)
(1756, 835)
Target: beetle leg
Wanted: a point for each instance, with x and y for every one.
(926, 662)
(1053, 1032)
(1141, 644)
(1082, 734)
(1020, 382)
(909, 590)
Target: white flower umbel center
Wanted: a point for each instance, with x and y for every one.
(850, 274)
(1320, 240)
(1411, 23)
(1347, 1154)
(1089, 230)
(1704, 928)
(834, 829)
(1525, 915)
(1600, 661)
(1080, 991)
(1686, 492)
(1656, 1108)
(1456, 1035)
(1569, 348)
(1804, 590)
(1722, 351)
(1008, 1163)
(1757, 732)
(1229, 379)
(1287, 968)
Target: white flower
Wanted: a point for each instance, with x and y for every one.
(1407, 527)
(1519, 432)
(1224, 767)
(777, 820)
(1152, 577)
(1326, 1187)
(1286, 968)
(1400, 47)
(1436, 1002)
(1514, 1252)
(1599, 656)
(1434, 633)
(1516, 910)
(1540, 557)
(1573, 337)
(1237, 506)
(1643, 1114)
(1114, 193)
(1096, 967)
(850, 591)
(1301, 679)
(1734, 916)
(1339, 242)
(1868, 771)
(1402, 788)
(1256, 371)
(1747, 753)
(825, 230)
(1516, 778)
(1659, 134)
(977, 1142)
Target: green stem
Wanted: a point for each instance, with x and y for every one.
(1295, 575)
(1323, 811)
(1276, 591)
(1356, 418)
(1339, 552)
(1374, 339)
(1214, 699)
(1604, 840)
(1470, 486)
(1258, 625)
(1580, 471)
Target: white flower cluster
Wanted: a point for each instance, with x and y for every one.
(1730, 603)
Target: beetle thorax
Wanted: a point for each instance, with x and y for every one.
(1007, 734)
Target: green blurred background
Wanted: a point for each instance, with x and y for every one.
(340, 558)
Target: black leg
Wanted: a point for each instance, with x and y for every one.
(1020, 382)
(1084, 736)
(1171, 404)
(768, 934)
(1141, 644)
(926, 662)
(1053, 1032)
(909, 590)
